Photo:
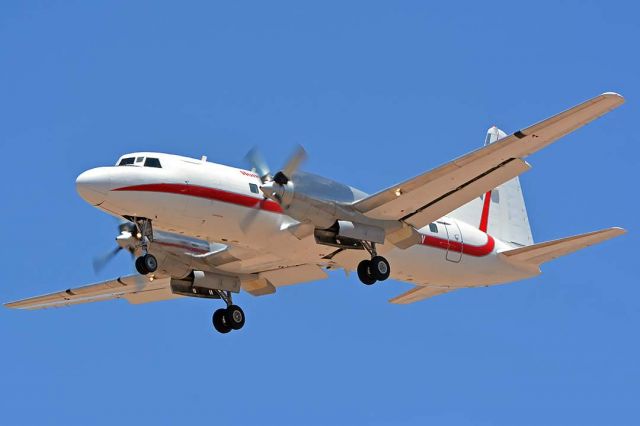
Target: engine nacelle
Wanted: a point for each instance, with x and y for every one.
(359, 231)
(322, 214)
(171, 265)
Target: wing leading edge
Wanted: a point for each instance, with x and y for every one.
(427, 197)
(135, 289)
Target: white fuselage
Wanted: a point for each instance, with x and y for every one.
(220, 204)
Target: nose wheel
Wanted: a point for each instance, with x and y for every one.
(376, 269)
(229, 318)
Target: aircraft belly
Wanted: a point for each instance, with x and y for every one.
(429, 265)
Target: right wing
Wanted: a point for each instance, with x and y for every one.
(135, 289)
(420, 293)
(430, 196)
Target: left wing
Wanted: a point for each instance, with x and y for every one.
(135, 289)
(430, 196)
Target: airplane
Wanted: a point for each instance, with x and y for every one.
(201, 229)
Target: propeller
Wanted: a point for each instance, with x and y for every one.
(270, 184)
(125, 240)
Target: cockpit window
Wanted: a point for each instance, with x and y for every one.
(126, 161)
(139, 159)
(152, 162)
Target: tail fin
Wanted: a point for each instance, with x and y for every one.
(501, 211)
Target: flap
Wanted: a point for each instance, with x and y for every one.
(294, 275)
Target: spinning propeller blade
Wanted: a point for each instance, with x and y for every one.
(99, 262)
(258, 163)
(294, 162)
(125, 228)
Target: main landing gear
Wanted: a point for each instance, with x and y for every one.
(147, 263)
(376, 269)
(229, 318)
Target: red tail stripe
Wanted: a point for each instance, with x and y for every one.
(484, 219)
(207, 193)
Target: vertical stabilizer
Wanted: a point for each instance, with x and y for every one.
(500, 212)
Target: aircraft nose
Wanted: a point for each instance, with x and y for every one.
(94, 185)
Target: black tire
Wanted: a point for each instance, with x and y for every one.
(380, 268)
(234, 317)
(140, 266)
(364, 272)
(220, 321)
(150, 262)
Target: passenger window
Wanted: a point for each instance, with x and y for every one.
(254, 188)
(139, 159)
(126, 161)
(152, 162)
(433, 227)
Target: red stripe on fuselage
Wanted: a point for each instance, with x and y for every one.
(441, 243)
(272, 206)
(207, 193)
(484, 218)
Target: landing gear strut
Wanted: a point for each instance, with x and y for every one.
(376, 269)
(229, 318)
(147, 263)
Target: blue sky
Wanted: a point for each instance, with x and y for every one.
(376, 92)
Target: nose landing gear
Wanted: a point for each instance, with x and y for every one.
(229, 318)
(376, 269)
(147, 263)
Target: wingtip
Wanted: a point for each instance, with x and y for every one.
(614, 95)
(617, 230)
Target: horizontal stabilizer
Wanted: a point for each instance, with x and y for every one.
(543, 252)
(419, 293)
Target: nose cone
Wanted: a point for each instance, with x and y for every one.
(94, 185)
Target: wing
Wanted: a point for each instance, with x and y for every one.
(427, 197)
(419, 293)
(267, 281)
(135, 289)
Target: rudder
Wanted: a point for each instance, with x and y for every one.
(501, 212)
